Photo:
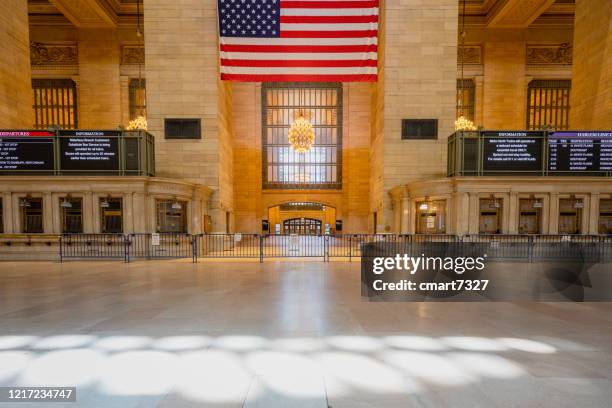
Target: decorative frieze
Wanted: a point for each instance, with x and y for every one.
(558, 54)
(132, 54)
(470, 55)
(53, 54)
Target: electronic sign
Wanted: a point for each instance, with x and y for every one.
(26, 150)
(89, 150)
(512, 151)
(579, 151)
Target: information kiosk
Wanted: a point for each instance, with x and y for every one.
(530, 216)
(490, 215)
(431, 217)
(605, 216)
(570, 215)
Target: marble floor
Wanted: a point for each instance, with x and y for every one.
(286, 334)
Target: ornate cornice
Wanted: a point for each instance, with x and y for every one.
(132, 54)
(53, 54)
(557, 54)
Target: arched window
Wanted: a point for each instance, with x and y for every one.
(321, 166)
(55, 103)
(548, 104)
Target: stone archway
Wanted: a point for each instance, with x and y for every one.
(278, 215)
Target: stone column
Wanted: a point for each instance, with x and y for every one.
(591, 96)
(48, 206)
(151, 210)
(554, 214)
(16, 80)
(513, 213)
(88, 213)
(195, 226)
(124, 81)
(139, 208)
(474, 213)
(593, 214)
(128, 213)
(504, 87)
(505, 227)
(478, 100)
(547, 214)
(99, 90)
(56, 211)
(16, 214)
(406, 215)
(7, 213)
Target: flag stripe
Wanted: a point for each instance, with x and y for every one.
(298, 70)
(330, 12)
(298, 42)
(328, 19)
(328, 34)
(324, 51)
(329, 4)
(298, 63)
(271, 56)
(329, 27)
(299, 78)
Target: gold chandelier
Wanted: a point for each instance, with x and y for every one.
(464, 124)
(139, 123)
(301, 133)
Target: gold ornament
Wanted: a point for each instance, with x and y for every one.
(140, 123)
(301, 134)
(462, 123)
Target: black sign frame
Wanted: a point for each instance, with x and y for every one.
(533, 142)
(22, 149)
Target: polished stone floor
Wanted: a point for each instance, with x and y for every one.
(287, 334)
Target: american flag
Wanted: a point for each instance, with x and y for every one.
(290, 40)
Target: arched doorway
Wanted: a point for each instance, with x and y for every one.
(302, 218)
(302, 226)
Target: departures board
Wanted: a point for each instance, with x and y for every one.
(512, 152)
(26, 151)
(579, 152)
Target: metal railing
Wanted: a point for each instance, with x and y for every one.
(93, 246)
(498, 248)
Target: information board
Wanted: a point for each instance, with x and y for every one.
(509, 151)
(82, 150)
(26, 150)
(580, 152)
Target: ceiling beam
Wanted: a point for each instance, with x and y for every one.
(87, 13)
(516, 13)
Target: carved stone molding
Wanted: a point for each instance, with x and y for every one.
(53, 54)
(470, 55)
(132, 54)
(559, 54)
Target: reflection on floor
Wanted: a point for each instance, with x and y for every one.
(173, 334)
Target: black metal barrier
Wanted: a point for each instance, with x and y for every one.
(519, 248)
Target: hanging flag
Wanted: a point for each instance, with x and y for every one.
(307, 40)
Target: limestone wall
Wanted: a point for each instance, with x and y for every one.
(15, 80)
(592, 87)
(99, 91)
(419, 64)
(182, 71)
